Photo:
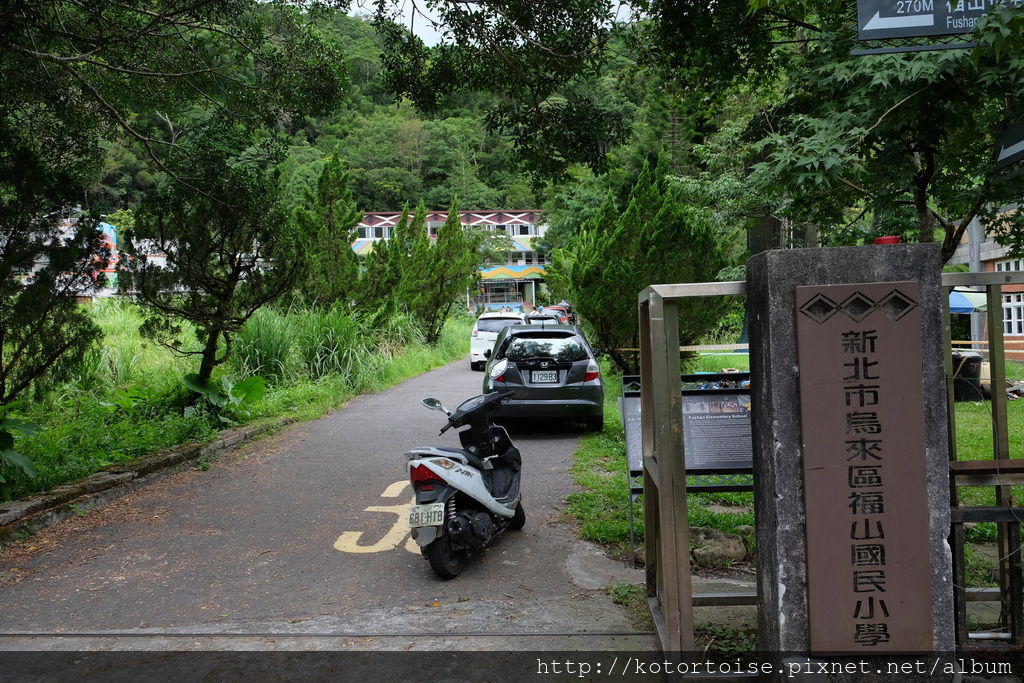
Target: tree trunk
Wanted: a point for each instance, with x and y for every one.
(925, 220)
(209, 356)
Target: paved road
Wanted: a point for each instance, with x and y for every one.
(302, 535)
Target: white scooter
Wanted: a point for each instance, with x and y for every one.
(465, 497)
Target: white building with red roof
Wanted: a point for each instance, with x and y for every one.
(513, 283)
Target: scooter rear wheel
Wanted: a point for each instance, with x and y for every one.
(445, 562)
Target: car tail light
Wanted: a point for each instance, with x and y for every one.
(593, 372)
(475, 332)
(423, 477)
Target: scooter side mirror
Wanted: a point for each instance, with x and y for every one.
(487, 353)
(498, 368)
(435, 404)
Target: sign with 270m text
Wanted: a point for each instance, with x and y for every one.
(883, 19)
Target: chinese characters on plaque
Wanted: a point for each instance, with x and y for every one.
(865, 492)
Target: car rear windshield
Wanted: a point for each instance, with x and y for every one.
(558, 348)
(496, 324)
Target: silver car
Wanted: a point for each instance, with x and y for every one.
(552, 372)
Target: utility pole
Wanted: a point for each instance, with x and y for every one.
(975, 236)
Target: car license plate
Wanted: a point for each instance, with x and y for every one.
(431, 514)
(544, 376)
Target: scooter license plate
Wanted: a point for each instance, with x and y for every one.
(431, 514)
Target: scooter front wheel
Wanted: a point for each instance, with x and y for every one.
(446, 562)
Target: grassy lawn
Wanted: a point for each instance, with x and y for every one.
(974, 442)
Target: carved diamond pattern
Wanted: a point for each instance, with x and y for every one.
(820, 308)
(858, 306)
(896, 305)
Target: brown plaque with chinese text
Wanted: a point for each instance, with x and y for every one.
(865, 488)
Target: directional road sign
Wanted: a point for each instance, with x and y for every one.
(1010, 145)
(882, 19)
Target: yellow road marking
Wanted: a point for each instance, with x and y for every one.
(395, 490)
(349, 541)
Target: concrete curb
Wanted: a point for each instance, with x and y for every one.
(41, 510)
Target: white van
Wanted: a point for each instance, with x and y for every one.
(485, 331)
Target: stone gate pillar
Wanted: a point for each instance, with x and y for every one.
(850, 452)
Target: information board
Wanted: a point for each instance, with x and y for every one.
(716, 431)
(716, 423)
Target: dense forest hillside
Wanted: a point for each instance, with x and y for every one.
(395, 155)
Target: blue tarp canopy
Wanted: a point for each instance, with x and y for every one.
(967, 301)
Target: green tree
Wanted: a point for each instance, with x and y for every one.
(45, 261)
(848, 146)
(407, 247)
(657, 239)
(445, 270)
(327, 221)
(81, 81)
(526, 53)
(229, 250)
(904, 146)
(44, 331)
(492, 246)
(382, 273)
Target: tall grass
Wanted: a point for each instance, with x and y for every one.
(334, 342)
(125, 359)
(320, 343)
(395, 332)
(130, 398)
(264, 346)
(310, 398)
